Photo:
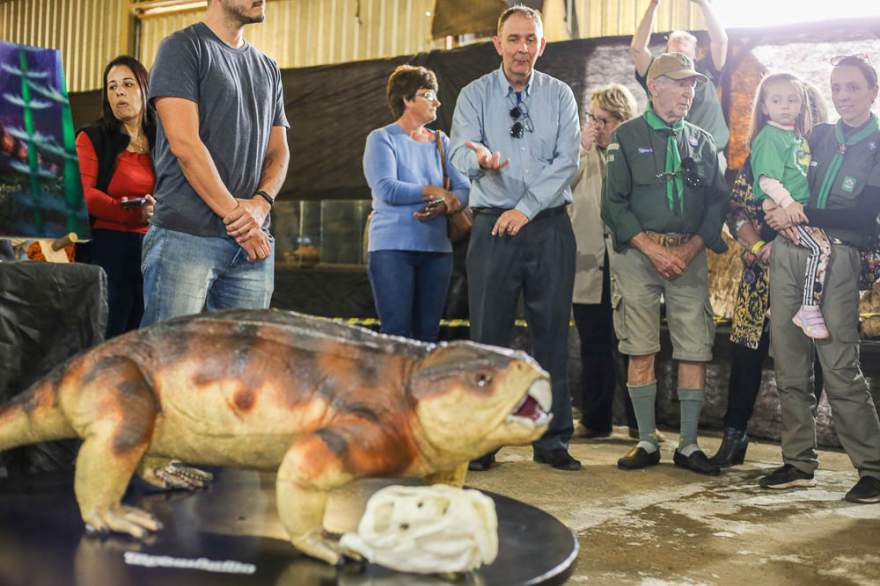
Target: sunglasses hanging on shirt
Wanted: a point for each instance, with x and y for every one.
(522, 121)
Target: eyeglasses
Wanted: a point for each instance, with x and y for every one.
(522, 122)
(429, 95)
(835, 61)
(599, 123)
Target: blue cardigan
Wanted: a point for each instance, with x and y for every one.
(396, 168)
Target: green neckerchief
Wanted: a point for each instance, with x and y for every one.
(837, 162)
(672, 171)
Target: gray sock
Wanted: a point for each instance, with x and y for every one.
(690, 403)
(643, 399)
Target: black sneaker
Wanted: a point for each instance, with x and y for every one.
(787, 477)
(638, 458)
(866, 490)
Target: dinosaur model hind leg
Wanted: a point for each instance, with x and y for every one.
(113, 445)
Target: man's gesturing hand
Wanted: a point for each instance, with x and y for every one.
(487, 160)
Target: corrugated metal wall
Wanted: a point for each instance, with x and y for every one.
(608, 18)
(88, 32)
(300, 33)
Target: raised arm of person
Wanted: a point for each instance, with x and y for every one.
(717, 34)
(638, 48)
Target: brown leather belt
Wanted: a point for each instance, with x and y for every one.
(668, 240)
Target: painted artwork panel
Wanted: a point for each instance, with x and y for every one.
(40, 188)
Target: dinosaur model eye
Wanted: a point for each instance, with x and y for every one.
(483, 379)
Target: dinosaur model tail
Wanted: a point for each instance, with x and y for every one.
(34, 415)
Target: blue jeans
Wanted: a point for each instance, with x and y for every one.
(184, 274)
(409, 289)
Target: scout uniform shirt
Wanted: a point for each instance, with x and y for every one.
(861, 167)
(635, 195)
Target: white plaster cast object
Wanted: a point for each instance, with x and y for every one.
(427, 529)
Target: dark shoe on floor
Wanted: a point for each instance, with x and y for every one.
(732, 450)
(866, 490)
(696, 462)
(558, 458)
(638, 458)
(590, 433)
(482, 463)
(787, 477)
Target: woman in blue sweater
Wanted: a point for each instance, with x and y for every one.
(410, 255)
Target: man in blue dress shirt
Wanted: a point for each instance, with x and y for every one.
(515, 134)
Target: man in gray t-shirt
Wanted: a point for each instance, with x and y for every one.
(220, 157)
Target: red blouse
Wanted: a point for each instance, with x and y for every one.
(133, 177)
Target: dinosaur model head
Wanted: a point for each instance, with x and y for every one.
(470, 399)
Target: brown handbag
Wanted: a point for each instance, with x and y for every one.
(458, 223)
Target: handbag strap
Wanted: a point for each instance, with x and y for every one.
(442, 152)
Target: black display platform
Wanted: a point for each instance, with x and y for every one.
(42, 542)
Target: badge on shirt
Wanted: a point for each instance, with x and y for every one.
(848, 184)
(613, 147)
(646, 150)
(693, 141)
(872, 146)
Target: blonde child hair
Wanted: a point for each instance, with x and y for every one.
(804, 121)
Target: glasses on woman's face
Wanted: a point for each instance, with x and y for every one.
(429, 95)
(522, 122)
(835, 61)
(599, 123)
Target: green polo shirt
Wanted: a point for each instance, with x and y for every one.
(861, 167)
(634, 198)
(706, 111)
(781, 154)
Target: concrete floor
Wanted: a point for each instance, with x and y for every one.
(666, 526)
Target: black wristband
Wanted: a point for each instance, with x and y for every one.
(266, 196)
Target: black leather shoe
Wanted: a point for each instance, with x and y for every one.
(732, 450)
(696, 462)
(558, 458)
(482, 463)
(638, 458)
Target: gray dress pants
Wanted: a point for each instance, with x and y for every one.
(855, 416)
(539, 263)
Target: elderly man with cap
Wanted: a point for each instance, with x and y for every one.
(663, 202)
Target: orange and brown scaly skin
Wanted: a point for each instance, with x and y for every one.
(320, 402)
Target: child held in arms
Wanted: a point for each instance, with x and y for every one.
(780, 161)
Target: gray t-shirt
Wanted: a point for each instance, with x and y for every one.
(240, 99)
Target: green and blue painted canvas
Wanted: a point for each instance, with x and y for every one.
(40, 187)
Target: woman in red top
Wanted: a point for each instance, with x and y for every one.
(118, 180)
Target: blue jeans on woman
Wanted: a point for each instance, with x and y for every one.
(409, 289)
(185, 274)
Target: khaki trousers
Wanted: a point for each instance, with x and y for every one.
(855, 416)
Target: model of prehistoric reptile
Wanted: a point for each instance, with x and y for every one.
(321, 403)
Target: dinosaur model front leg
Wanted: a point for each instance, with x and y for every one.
(116, 413)
(310, 470)
(454, 477)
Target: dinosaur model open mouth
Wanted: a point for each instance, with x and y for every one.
(534, 408)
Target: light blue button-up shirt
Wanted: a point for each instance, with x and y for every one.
(542, 163)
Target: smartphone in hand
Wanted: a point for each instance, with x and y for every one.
(431, 204)
(132, 202)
